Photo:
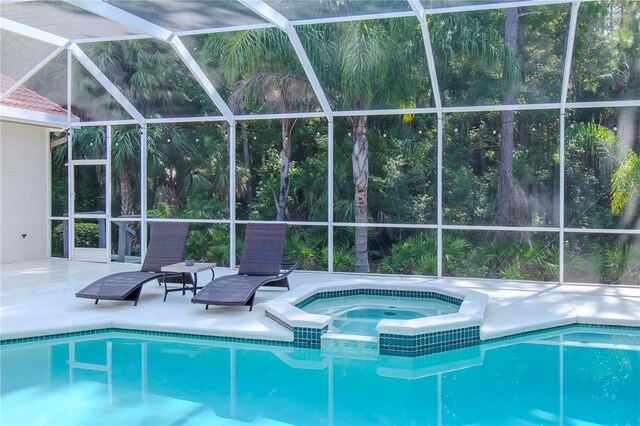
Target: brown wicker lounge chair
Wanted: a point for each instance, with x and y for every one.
(261, 264)
(166, 246)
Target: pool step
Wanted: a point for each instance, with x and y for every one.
(350, 345)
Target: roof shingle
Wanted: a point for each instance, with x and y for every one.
(25, 98)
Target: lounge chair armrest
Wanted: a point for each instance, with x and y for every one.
(288, 267)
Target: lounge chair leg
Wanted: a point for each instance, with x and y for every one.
(135, 303)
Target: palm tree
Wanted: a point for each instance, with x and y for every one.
(268, 76)
(146, 74)
(355, 60)
(361, 56)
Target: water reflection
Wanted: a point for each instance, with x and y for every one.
(116, 379)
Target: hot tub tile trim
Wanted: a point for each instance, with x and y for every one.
(414, 337)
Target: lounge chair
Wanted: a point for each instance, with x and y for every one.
(166, 246)
(260, 264)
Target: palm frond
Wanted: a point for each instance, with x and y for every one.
(280, 91)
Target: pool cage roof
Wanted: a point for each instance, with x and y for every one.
(61, 36)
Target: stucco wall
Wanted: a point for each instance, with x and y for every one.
(23, 192)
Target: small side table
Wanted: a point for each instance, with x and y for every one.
(181, 268)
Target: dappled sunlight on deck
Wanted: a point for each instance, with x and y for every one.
(38, 298)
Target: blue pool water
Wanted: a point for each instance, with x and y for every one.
(578, 377)
(361, 314)
(363, 321)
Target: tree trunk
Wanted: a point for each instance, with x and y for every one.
(512, 200)
(127, 190)
(246, 160)
(102, 185)
(285, 156)
(360, 160)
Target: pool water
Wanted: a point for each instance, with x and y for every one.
(359, 315)
(578, 377)
(363, 321)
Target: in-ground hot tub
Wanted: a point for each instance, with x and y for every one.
(416, 332)
(360, 314)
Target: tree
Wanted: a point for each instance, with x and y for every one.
(355, 60)
(147, 73)
(263, 72)
(512, 200)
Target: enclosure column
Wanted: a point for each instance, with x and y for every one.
(330, 195)
(571, 36)
(107, 193)
(232, 194)
(70, 195)
(561, 203)
(70, 180)
(143, 192)
(439, 179)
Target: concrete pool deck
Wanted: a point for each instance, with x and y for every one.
(37, 298)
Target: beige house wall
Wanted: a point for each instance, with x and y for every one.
(23, 192)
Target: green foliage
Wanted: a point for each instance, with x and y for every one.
(162, 210)
(198, 208)
(603, 259)
(344, 260)
(57, 240)
(306, 245)
(625, 182)
(86, 235)
(208, 244)
(618, 262)
(417, 254)
(381, 63)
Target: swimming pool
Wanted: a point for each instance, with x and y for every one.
(575, 375)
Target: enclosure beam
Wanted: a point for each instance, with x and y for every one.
(106, 83)
(493, 6)
(123, 17)
(271, 15)
(424, 27)
(201, 77)
(134, 22)
(571, 36)
(32, 32)
(30, 74)
(352, 18)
